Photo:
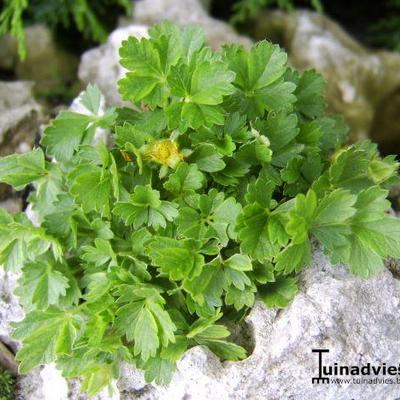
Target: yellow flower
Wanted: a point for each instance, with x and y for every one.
(164, 152)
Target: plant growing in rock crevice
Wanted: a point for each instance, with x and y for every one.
(208, 196)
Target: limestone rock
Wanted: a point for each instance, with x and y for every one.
(355, 319)
(9, 307)
(20, 117)
(363, 85)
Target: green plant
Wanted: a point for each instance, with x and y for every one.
(209, 195)
(386, 31)
(7, 383)
(86, 16)
(246, 9)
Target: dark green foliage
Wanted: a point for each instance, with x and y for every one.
(246, 9)
(7, 384)
(386, 31)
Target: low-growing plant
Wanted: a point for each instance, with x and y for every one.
(207, 196)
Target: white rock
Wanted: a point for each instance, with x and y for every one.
(19, 114)
(55, 387)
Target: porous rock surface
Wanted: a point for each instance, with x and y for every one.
(355, 319)
(19, 116)
(362, 84)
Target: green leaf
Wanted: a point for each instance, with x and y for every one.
(374, 235)
(145, 335)
(93, 191)
(279, 293)
(226, 350)
(146, 208)
(310, 94)
(201, 87)
(21, 242)
(259, 79)
(239, 262)
(215, 218)
(99, 254)
(144, 321)
(184, 179)
(18, 170)
(179, 259)
(44, 283)
(45, 336)
(294, 257)
(331, 224)
(147, 80)
(208, 286)
(60, 144)
(253, 233)
(97, 378)
(91, 98)
(240, 298)
(280, 128)
(158, 370)
(207, 158)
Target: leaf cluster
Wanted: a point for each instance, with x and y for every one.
(209, 193)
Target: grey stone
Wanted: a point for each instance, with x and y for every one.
(20, 117)
(362, 84)
(13, 205)
(30, 387)
(353, 318)
(10, 310)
